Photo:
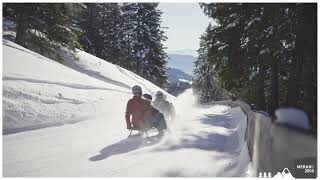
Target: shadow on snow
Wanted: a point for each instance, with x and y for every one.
(125, 146)
(218, 120)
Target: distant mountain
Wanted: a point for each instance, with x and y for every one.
(178, 81)
(176, 75)
(182, 62)
(180, 70)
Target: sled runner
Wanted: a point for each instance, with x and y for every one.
(143, 131)
(156, 122)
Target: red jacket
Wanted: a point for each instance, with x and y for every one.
(136, 109)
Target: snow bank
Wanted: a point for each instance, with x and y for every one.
(215, 129)
(39, 92)
(293, 117)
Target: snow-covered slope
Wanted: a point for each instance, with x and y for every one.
(107, 72)
(39, 92)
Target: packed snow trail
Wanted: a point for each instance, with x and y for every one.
(204, 142)
(68, 120)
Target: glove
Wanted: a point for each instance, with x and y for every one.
(129, 126)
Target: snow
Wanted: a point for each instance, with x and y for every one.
(263, 51)
(252, 21)
(293, 117)
(184, 80)
(233, 15)
(68, 120)
(7, 24)
(222, 47)
(231, 25)
(8, 29)
(269, 30)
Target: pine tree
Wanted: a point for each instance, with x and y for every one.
(150, 51)
(205, 81)
(114, 46)
(130, 20)
(127, 34)
(261, 53)
(144, 36)
(90, 23)
(43, 26)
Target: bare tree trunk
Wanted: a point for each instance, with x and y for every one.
(22, 26)
(295, 78)
(274, 86)
(261, 102)
(297, 62)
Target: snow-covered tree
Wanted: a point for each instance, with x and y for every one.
(103, 36)
(261, 52)
(205, 81)
(127, 34)
(144, 36)
(42, 25)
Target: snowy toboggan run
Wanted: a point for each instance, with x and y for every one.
(68, 120)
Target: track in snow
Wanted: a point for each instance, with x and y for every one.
(204, 141)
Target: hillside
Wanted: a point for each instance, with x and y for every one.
(68, 120)
(39, 92)
(178, 80)
(176, 75)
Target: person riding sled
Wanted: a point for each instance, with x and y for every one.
(164, 106)
(136, 110)
(153, 117)
(141, 115)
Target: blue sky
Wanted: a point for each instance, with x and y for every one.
(186, 23)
